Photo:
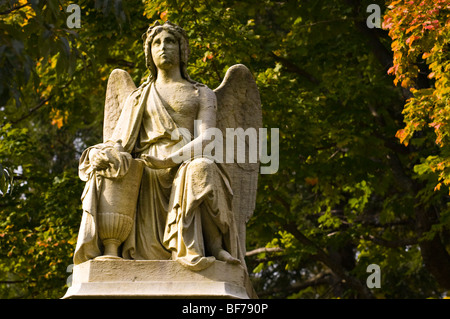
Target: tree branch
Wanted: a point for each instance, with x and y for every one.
(40, 104)
(32, 110)
(383, 55)
(322, 278)
(280, 199)
(372, 221)
(392, 243)
(291, 67)
(331, 263)
(14, 9)
(120, 62)
(264, 250)
(403, 180)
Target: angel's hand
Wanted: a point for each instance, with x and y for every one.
(99, 160)
(156, 163)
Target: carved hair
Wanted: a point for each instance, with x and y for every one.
(179, 34)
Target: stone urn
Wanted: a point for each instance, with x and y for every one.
(117, 209)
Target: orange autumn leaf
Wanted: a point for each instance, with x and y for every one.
(438, 187)
(208, 55)
(311, 180)
(402, 135)
(163, 15)
(411, 39)
(405, 83)
(58, 118)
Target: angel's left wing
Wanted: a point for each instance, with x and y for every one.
(239, 107)
(120, 85)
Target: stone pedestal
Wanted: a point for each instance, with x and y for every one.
(158, 279)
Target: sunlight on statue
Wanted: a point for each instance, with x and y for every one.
(140, 202)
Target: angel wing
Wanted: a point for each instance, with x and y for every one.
(120, 85)
(239, 106)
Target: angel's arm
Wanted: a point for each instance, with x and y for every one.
(206, 119)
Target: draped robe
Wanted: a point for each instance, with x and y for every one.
(168, 219)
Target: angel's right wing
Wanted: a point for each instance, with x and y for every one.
(120, 85)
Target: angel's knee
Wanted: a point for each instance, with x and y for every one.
(201, 164)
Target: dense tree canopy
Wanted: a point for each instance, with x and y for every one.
(362, 114)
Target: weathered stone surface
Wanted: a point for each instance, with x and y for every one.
(157, 279)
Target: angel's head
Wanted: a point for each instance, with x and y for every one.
(183, 46)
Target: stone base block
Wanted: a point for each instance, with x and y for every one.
(112, 278)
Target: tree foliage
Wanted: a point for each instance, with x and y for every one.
(420, 32)
(347, 193)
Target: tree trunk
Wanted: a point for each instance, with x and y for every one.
(434, 254)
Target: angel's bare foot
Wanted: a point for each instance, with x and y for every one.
(213, 239)
(223, 255)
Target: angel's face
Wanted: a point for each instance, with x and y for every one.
(165, 50)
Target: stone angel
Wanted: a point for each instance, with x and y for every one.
(140, 201)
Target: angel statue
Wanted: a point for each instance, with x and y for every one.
(140, 201)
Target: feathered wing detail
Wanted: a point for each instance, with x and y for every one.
(120, 85)
(239, 106)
